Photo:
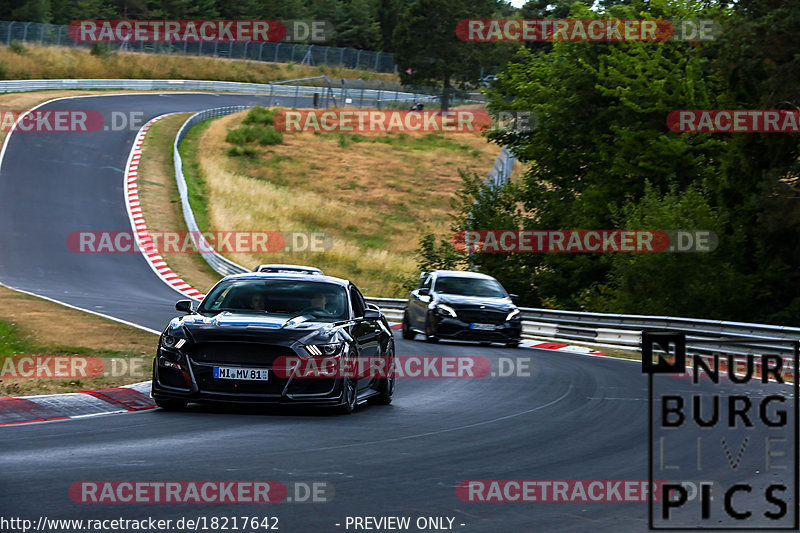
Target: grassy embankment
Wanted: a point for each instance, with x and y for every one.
(374, 194)
(44, 62)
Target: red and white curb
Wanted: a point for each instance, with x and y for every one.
(136, 397)
(542, 345)
(75, 405)
(132, 204)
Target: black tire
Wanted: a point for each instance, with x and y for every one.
(430, 334)
(406, 331)
(349, 394)
(512, 344)
(171, 405)
(386, 387)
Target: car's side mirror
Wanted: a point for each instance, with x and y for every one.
(184, 306)
(424, 291)
(514, 297)
(372, 314)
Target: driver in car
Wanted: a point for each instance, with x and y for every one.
(258, 302)
(317, 303)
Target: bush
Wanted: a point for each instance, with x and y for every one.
(237, 136)
(246, 151)
(18, 48)
(101, 50)
(268, 135)
(260, 115)
(264, 135)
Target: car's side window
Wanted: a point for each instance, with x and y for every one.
(359, 305)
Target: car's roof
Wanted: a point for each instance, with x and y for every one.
(321, 278)
(288, 267)
(460, 274)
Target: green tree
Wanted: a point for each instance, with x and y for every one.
(428, 48)
(691, 284)
(33, 11)
(388, 14)
(757, 55)
(601, 135)
(359, 29)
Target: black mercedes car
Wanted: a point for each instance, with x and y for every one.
(462, 306)
(233, 346)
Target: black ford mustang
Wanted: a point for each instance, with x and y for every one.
(232, 348)
(462, 306)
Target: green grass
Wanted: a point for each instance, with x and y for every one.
(11, 343)
(198, 195)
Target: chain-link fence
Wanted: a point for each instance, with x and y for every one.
(308, 54)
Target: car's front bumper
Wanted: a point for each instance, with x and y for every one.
(453, 328)
(194, 382)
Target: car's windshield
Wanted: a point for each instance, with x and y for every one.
(462, 286)
(279, 297)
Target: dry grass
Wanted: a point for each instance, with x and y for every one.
(44, 62)
(374, 198)
(160, 202)
(45, 328)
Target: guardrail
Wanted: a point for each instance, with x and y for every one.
(626, 330)
(220, 264)
(501, 170)
(355, 94)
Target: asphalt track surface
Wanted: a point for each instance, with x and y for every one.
(574, 418)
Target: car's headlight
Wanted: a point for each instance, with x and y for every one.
(328, 350)
(168, 341)
(512, 315)
(446, 310)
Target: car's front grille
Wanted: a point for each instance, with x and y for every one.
(482, 316)
(239, 353)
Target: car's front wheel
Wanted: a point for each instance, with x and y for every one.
(348, 396)
(406, 330)
(386, 385)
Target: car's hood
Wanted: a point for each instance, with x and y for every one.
(475, 301)
(252, 328)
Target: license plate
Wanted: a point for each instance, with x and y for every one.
(250, 374)
(487, 327)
